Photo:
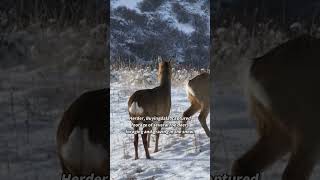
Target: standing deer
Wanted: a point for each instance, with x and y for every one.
(82, 135)
(198, 95)
(284, 99)
(154, 102)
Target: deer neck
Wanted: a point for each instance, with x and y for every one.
(165, 81)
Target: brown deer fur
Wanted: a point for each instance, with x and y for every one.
(82, 135)
(198, 95)
(284, 100)
(154, 102)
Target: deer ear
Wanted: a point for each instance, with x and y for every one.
(159, 59)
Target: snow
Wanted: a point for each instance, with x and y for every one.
(131, 4)
(176, 154)
(192, 8)
(168, 15)
(186, 27)
(195, 8)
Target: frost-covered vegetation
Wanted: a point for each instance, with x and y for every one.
(147, 76)
(142, 30)
(21, 13)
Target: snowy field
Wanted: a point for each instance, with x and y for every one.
(178, 158)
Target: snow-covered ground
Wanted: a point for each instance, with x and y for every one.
(178, 158)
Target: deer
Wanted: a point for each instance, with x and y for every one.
(283, 99)
(82, 139)
(154, 102)
(198, 94)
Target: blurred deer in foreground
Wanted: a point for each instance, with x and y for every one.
(154, 102)
(198, 95)
(284, 99)
(82, 135)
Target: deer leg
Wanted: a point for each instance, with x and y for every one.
(203, 119)
(302, 160)
(266, 151)
(65, 170)
(149, 137)
(195, 107)
(135, 142)
(156, 149)
(145, 142)
(103, 169)
(63, 166)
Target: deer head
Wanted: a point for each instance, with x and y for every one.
(164, 71)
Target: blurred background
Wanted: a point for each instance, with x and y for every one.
(241, 31)
(50, 53)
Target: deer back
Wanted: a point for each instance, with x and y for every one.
(84, 124)
(154, 102)
(199, 88)
(284, 82)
